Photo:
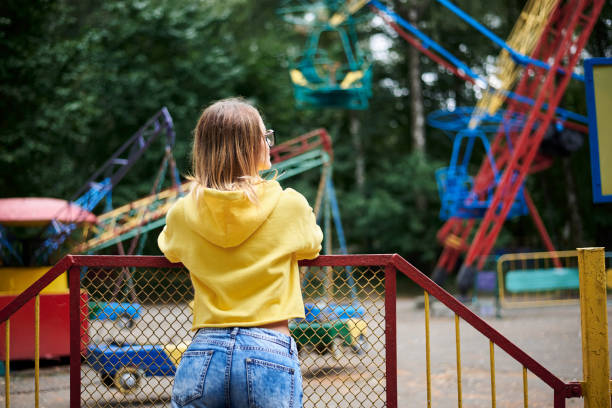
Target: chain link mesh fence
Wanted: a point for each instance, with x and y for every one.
(140, 321)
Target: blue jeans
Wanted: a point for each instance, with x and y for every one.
(238, 367)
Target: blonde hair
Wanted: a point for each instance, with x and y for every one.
(228, 147)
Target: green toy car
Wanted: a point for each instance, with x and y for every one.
(331, 336)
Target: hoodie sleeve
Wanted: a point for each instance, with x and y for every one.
(167, 241)
(311, 234)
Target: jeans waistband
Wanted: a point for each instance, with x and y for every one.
(257, 332)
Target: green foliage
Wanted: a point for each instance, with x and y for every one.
(399, 210)
(78, 78)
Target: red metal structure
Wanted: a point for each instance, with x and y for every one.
(55, 324)
(391, 264)
(302, 144)
(147, 213)
(561, 42)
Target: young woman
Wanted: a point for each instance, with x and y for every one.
(240, 237)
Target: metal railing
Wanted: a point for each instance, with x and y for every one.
(138, 321)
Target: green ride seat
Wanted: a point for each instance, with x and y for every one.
(537, 280)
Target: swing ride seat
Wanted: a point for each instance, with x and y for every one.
(539, 280)
(113, 310)
(458, 199)
(332, 311)
(328, 326)
(326, 336)
(456, 187)
(309, 74)
(323, 80)
(351, 91)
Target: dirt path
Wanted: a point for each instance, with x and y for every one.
(550, 335)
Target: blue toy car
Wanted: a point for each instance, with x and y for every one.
(123, 365)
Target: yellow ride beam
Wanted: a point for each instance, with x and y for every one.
(130, 216)
(350, 7)
(523, 38)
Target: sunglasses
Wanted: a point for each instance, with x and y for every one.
(269, 135)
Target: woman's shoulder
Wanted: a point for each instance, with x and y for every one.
(294, 199)
(177, 209)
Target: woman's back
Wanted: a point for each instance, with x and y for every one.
(242, 256)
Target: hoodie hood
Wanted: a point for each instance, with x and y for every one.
(228, 218)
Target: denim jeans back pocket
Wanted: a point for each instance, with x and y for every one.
(190, 376)
(270, 384)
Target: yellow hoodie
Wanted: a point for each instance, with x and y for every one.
(242, 257)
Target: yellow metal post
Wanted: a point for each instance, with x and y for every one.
(525, 389)
(594, 322)
(492, 359)
(458, 349)
(427, 350)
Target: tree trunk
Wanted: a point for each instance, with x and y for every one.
(417, 112)
(576, 227)
(417, 125)
(354, 128)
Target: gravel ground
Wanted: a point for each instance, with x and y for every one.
(549, 335)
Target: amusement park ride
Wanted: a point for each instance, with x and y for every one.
(57, 223)
(534, 68)
(320, 80)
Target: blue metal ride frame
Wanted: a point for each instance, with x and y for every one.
(5, 242)
(451, 122)
(333, 203)
(331, 210)
(589, 64)
(454, 183)
(429, 43)
(516, 56)
(334, 211)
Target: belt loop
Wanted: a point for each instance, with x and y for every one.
(235, 331)
(291, 341)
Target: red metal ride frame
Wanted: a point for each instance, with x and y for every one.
(568, 21)
(558, 43)
(302, 144)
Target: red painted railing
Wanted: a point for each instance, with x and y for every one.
(390, 264)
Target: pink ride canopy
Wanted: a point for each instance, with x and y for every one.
(41, 210)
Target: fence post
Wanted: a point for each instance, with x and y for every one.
(594, 317)
(74, 279)
(391, 336)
